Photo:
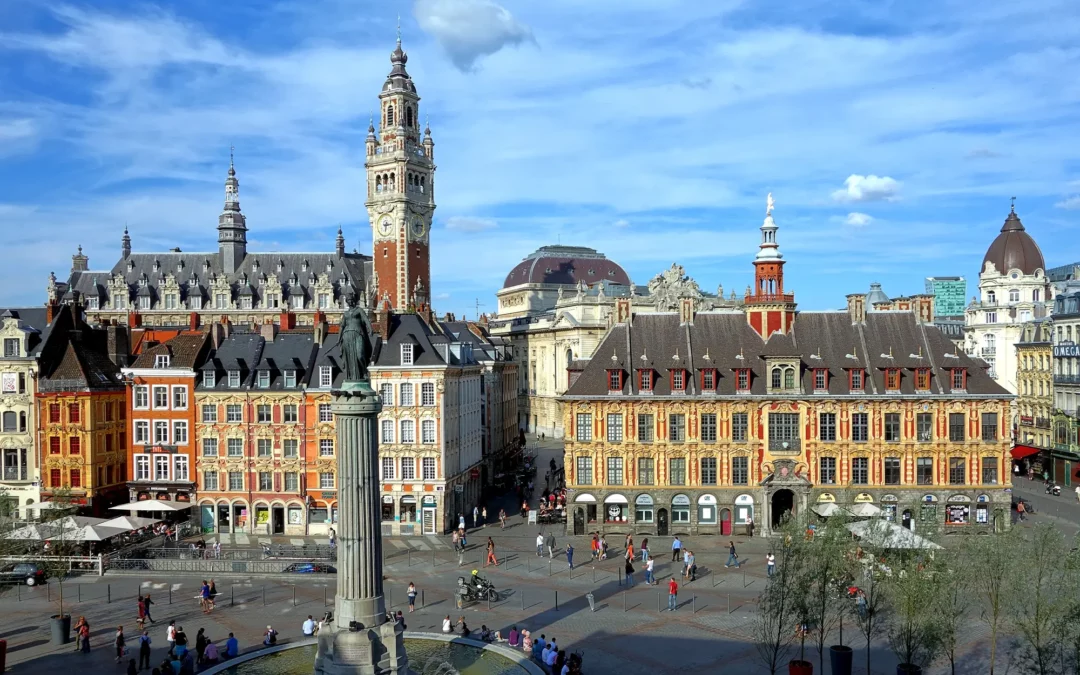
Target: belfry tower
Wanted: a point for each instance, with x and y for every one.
(400, 192)
(768, 307)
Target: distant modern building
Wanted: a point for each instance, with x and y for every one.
(950, 295)
(1013, 290)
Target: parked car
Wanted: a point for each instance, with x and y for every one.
(310, 568)
(30, 574)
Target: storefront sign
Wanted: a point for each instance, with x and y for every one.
(10, 383)
(387, 499)
(929, 498)
(643, 500)
(1027, 419)
(474, 473)
(744, 499)
(1067, 350)
(706, 499)
(585, 498)
(328, 495)
(863, 498)
(680, 500)
(826, 497)
(429, 501)
(889, 498)
(982, 499)
(961, 499)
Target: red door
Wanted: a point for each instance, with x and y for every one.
(725, 522)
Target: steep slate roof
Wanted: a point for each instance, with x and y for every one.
(250, 353)
(79, 359)
(818, 339)
(34, 319)
(184, 351)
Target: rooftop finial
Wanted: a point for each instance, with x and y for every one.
(232, 165)
(1012, 204)
(399, 30)
(769, 204)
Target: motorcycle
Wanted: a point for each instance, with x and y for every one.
(475, 590)
(1052, 489)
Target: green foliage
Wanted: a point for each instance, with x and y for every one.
(955, 596)
(1039, 605)
(829, 570)
(995, 556)
(915, 629)
(783, 605)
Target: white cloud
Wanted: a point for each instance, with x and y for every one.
(1069, 203)
(856, 219)
(467, 224)
(442, 296)
(868, 189)
(470, 29)
(621, 222)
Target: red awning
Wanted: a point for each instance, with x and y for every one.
(1022, 451)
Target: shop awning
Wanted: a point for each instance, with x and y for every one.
(1022, 451)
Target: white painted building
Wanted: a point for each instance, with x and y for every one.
(21, 335)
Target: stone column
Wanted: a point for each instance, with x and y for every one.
(360, 588)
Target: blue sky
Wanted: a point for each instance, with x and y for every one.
(892, 134)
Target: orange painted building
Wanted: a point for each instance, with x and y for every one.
(161, 414)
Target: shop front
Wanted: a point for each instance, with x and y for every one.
(888, 507)
(643, 510)
(429, 508)
(407, 519)
(680, 514)
(585, 513)
(958, 510)
(706, 508)
(744, 509)
(616, 510)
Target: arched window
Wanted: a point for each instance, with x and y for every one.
(1035, 295)
(1014, 295)
(789, 378)
(422, 181)
(991, 297)
(22, 422)
(390, 115)
(776, 375)
(378, 183)
(393, 182)
(409, 117)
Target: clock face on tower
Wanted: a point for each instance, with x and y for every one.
(385, 226)
(418, 227)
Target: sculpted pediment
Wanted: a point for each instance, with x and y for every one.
(670, 286)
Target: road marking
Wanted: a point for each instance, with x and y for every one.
(397, 544)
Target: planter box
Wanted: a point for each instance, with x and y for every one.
(841, 656)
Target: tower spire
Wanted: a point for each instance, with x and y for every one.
(339, 246)
(232, 226)
(768, 308)
(125, 243)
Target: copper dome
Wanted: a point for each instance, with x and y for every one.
(566, 265)
(1014, 249)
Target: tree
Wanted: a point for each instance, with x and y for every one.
(914, 629)
(996, 556)
(782, 603)
(872, 600)
(58, 529)
(830, 559)
(954, 599)
(1041, 602)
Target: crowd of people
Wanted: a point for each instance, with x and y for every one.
(181, 658)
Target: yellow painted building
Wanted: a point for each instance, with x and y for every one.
(1035, 385)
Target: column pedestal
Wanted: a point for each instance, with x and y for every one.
(346, 648)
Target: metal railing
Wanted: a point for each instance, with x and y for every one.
(275, 566)
(1067, 379)
(785, 444)
(229, 553)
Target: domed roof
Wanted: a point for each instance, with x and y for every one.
(875, 295)
(1014, 249)
(566, 265)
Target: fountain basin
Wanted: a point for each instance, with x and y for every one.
(427, 652)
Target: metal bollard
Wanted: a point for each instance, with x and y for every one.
(744, 579)
(594, 574)
(489, 601)
(624, 601)
(324, 596)
(549, 568)
(523, 600)
(421, 598)
(232, 596)
(264, 595)
(556, 601)
(48, 590)
(410, 557)
(729, 604)
(80, 592)
(695, 605)
(108, 591)
(658, 601)
(170, 594)
(433, 559)
(294, 595)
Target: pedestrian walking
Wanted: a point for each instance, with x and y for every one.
(691, 567)
(629, 569)
(672, 594)
(685, 561)
(457, 541)
(204, 592)
(142, 612)
(79, 623)
(464, 538)
(551, 545)
(502, 518)
(170, 635)
(118, 641)
(539, 544)
(144, 650)
(770, 563)
(213, 594)
(333, 539)
(146, 608)
(644, 549)
(475, 516)
(460, 521)
(595, 545)
(217, 546)
(650, 580)
(570, 556)
(676, 549)
(483, 517)
(749, 526)
(1020, 509)
(412, 596)
(491, 554)
(1078, 493)
(733, 557)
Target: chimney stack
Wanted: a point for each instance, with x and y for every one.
(117, 344)
(193, 321)
(268, 330)
(288, 321)
(856, 307)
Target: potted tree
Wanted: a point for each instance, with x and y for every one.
(871, 600)
(914, 631)
(58, 530)
(830, 562)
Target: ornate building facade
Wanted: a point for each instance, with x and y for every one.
(22, 332)
(1035, 393)
(1063, 462)
(699, 421)
(556, 306)
(82, 414)
(1013, 290)
(256, 435)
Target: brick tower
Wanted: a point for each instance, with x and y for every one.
(400, 192)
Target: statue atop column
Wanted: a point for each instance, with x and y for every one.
(355, 341)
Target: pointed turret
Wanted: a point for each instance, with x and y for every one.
(339, 244)
(769, 308)
(125, 244)
(232, 227)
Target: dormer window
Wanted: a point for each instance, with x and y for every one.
(855, 379)
(922, 379)
(303, 266)
(11, 348)
(777, 378)
(645, 381)
(821, 379)
(708, 380)
(180, 266)
(678, 381)
(326, 377)
(991, 297)
(406, 355)
(161, 361)
(264, 379)
(615, 381)
(742, 380)
(892, 379)
(959, 379)
(209, 379)
(92, 303)
(290, 379)
(234, 379)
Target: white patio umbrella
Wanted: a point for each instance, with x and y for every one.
(94, 533)
(130, 522)
(828, 509)
(889, 535)
(71, 528)
(864, 510)
(152, 505)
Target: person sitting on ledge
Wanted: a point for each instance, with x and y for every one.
(446, 625)
(463, 628)
(485, 634)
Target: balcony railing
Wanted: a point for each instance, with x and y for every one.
(1067, 379)
(988, 351)
(1042, 422)
(785, 445)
